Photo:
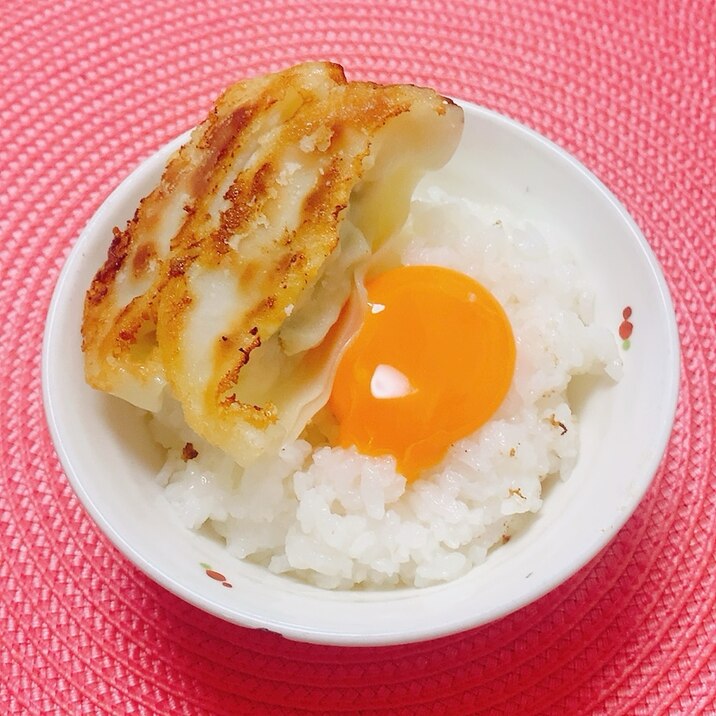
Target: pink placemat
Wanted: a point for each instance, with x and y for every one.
(89, 89)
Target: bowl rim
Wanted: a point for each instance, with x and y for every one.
(312, 634)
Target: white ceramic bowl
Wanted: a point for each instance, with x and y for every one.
(111, 462)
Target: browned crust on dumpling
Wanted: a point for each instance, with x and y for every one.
(229, 202)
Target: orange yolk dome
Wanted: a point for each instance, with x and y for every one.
(431, 363)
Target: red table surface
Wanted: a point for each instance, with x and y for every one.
(89, 89)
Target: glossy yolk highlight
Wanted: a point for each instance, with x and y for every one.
(431, 363)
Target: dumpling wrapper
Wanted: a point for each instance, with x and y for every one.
(227, 286)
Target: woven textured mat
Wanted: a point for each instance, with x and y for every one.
(89, 89)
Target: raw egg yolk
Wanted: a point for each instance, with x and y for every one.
(431, 363)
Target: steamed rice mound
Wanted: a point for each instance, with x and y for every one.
(338, 519)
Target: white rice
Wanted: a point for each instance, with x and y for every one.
(339, 519)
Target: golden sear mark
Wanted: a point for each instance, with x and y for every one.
(245, 204)
(241, 355)
(258, 416)
(143, 256)
(116, 255)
